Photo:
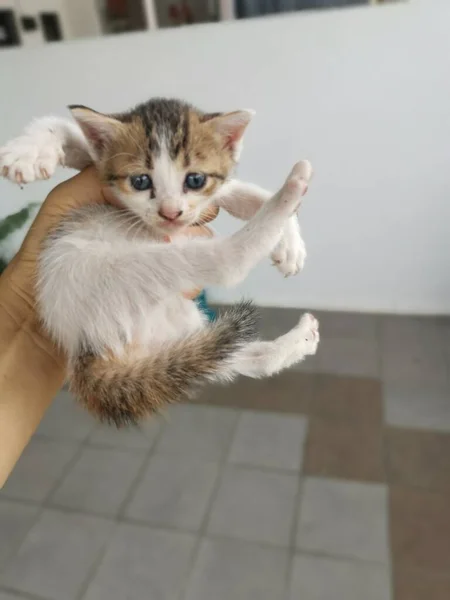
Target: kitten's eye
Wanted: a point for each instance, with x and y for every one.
(195, 181)
(141, 182)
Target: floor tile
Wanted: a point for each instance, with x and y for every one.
(344, 519)
(444, 328)
(348, 357)
(288, 392)
(419, 458)
(66, 420)
(15, 522)
(99, 481)
(174, 491)
(317, 578)
(255, 505)
(232, 570)
(353, 326)
(142, 563)
(412, 349)
(201, 431)
(141, 437)
(39, 468)
(420, 529)
(269, 440)
(408, 404)
(277, 321)
(344, 451)
(414, 365)
(409, 332)
(56, 556)
(420, 585)
(348, 400)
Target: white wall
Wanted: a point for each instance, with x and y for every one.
(364, 93)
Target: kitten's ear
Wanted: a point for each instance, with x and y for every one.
(231, 127)
(98, 128)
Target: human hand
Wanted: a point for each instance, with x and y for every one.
(17, 297)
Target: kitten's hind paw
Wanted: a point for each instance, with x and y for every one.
(308, 329)
(24, 159)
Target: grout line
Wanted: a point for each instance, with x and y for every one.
(21, 594)
(201, 534)
(93, 570)
(297, 508)
(263, 468)
(132, 520)
(44, 505)
(16, 549)
(342, 558)
(49, 437)
(21, 501)
(379, 345)
(112, 448)
(221, 537)
(66, 472)
(385, 457)
(137, 480)
(119, 519)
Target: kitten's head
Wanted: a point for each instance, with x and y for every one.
(165, 159)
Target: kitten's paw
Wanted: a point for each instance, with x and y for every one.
(299, 178)
(24, 160)
(290, 196)
(290, 253)
(308, 329)
(288, 258)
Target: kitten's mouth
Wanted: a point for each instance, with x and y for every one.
(170, 224)
(180, 223)
(174, 225)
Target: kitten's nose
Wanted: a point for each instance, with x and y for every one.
(170, 214)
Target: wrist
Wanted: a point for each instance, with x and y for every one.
(18, 314)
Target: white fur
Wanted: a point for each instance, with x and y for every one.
(242, 200)
(103, 284)
(46, 143)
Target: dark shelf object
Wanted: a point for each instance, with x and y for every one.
(51, 26)
(9, 35)
(29, 23)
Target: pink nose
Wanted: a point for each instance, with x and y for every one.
(170, 214)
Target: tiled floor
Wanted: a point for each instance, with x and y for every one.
(328, 482)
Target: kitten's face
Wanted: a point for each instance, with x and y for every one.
(164, 160)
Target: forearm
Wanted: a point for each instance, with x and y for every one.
(241, 199)
(31, 373)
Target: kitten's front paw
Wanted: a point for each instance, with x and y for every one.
(290, 253)
(22, 160)
(308, 329)
(289, 198)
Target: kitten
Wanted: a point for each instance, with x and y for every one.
(109, 293)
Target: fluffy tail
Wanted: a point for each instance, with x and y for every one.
(122, 391)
